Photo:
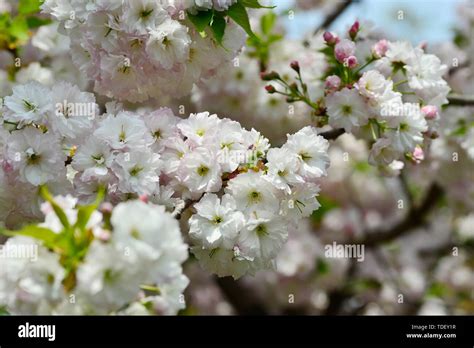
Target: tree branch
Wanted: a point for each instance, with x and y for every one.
(415, 218)
(460, 100)
(331, 17)
(333, 134)
(453, 69)
(235, 293)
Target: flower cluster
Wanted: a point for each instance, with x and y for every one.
(193, 5)
(246, 193)
(134, 50)
(394, 105)
(241, 230)
(85, 261)
(239, 91)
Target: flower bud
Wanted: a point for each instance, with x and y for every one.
(270, 89)
(106, 208)
(354, 30)
(294, 87)
(423, 45)
(351, 62)
(344, 49)
(380, 48)
(295, 66)
(272, 75)
(332, 82)
(330, 38)
(418, 155)
(430, 112)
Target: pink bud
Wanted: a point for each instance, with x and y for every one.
(270, 89)
(418, 155)
(143, 198)
(7, 167)
(423, 45)
(351, 62)
(380, 48)
(430, 112)
(332, 82)
(354, 30)
(344, 49)
(269, 76)
(102, 234)
(295, 66)
(330, 38)
(106, 208)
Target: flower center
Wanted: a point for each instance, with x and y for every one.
(347, 110)
(122, 136)
(305, 156)
(32, 157)
(202, 170)
(404, 127)
(261, 230)
(255, 197)
(145, 13)
(135, 170)
(29, 106)
(99, 159)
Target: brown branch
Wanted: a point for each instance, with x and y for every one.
(333, 134)
(415, 218)
(460, 100)
(337, 297)
(331, 17)
(187, 205)
(238, 297)
(454, 69)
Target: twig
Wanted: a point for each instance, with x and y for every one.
(333, 134)
(415, 218)
(453, 69)
(460, 100)
(187, 205)
(331, 17)
(337, 297)
(406, 188)
(236, 295)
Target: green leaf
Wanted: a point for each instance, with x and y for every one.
(254, 4)
(43, 234)
(366, 284)
(84, 212)
(327, 205)
(322, 267)
(28, 6)
(267, 22)
(363, 167)
(4, 21)
(19, 29)
(201, 20)
(3, 311)
(36, 22)
(239, 14)
(218, 28)
(436, 290)
(57, 209)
